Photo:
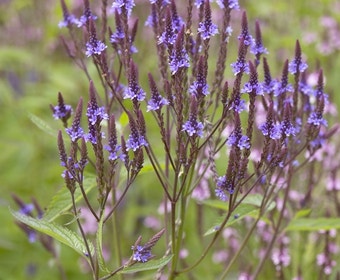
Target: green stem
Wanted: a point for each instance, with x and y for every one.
(244, 243)
(94, 266)
(116, 240)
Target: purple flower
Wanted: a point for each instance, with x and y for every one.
(281, 258)
(239, 140)
(221, 194)
(93, 134)
(232, 4)
(199, 3)
(177, 21)
(238, 105)
(316, 119)
(152, 18)
(96, 114)
(156, 103)
(306, 89)
(240, 66)
(268, 86)
(287, 128)
(60, 112)
(94, 46)
(200, 87)
(270, 129)
(135, 140)
(75, 132)
(164, 2)
(117, 36)
(282, 87)
(86, 17)
(250, 87)
(26, 209)
(296, 65)
(141, 254)
(245, 36)
(192, 127)
(207, 28)
(178, 59)
(124, 5)
(168, 37)
(68, 20)
(223, 187)
(115, 152)
(258, 49)
(134, 91)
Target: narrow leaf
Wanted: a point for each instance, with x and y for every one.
(313, 224)
(58, 232)
(62, 201)
(239, 213)
(150, 265)
(40, 123)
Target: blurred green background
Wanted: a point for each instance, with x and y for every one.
(34, 68)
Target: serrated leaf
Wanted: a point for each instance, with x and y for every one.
(150, 265)
(313, 224)
(99, 247)
(58, 232)
(62, 201)
(40, 123)
(239, 213)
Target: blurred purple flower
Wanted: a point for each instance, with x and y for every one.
(232, 4)
(121, 5)
(316, 119)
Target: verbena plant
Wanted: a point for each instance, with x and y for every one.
(229, 162)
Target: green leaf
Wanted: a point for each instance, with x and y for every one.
(302, 213)
(216, 204)
(253, 199)
(62, 201)
(150, 265)
(313, 224)
(239, 213)
(42, 125)
(99, 247)
(58, 232)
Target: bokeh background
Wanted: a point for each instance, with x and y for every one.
(34, 67)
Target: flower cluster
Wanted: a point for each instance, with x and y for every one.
(247, 139)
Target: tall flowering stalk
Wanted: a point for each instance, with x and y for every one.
(241, 148)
